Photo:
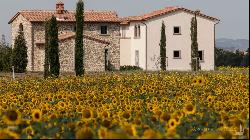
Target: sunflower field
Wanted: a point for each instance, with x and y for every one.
(127, 105)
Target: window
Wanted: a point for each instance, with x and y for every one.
(137, 58)
(201, 55)
(137, 32)
(74, 29)
(123, 31)
(104, 30)
(177, 30)
(21, 27)
(177, 54)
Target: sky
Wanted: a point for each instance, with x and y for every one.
(233, 14)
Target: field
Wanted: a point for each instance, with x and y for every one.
(127, 105)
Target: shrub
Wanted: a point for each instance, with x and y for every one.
(129, 68)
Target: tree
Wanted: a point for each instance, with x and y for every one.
(79, 48)
(5, 55)
(53, 46)
(163, 47)
(194, 45)
(46, 59)
(19, 54)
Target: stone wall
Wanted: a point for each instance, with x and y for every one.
(91, 47)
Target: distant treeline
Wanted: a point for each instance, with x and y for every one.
(233, 59)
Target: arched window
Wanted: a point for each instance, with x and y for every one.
(21, 27)
(135, 31)
(139, 31)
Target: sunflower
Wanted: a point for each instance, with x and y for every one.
(12, 117)
(189, 109)
(210, 135)
(84, 133)
(165, 117)
(29, 131)
(130, 129)
(86, 114)
(107, 123)
(172, 124)
(102, 132)
(126, 115)
(171, 132)
(149, 134)
(7, 134)
(104, 114)
(36, 115)
(210, 99)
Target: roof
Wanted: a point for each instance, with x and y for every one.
(69, 35)
(160, 12)
(67, 16)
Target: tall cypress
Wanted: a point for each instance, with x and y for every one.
(46, 59)
(194, 45)
(54, 48)
(79, 49)
(163, 47)
(19, 54)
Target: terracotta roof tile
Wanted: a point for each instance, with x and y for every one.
(70, 35)
(68, 16)
(156, 13)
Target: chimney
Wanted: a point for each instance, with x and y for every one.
(59, 7)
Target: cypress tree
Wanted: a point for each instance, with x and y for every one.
(19, 54)
(79, 49)
(194, 45)
(53, 48)
(46, 59)
(163, 47)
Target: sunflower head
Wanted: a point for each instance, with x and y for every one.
(86, 114)
(36, 115)
(12, 117)
(189, 109)
(7, 134)
(84, 133)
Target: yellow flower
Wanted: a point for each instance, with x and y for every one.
(102, 132)
(210, 135)
(84, 133)
(172, 124)
(12, 117)
(150, 134)
(36, 115)
(7, 134)
(86, 114)
(189, 109)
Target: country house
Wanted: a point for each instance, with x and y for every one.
(113, 41)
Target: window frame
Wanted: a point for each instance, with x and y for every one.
(179, 54)
(202, 56)
(179, 30)
(106, 30)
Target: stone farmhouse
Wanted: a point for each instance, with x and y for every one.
(113, 41)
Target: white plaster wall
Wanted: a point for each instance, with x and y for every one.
(180, 42)
(125, 51)
(138, 44)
